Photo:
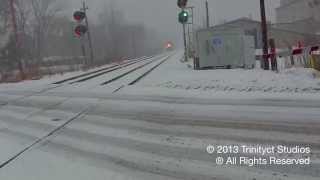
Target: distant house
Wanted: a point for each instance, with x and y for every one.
(284, 37)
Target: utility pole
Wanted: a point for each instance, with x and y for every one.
(264, 29)
(85, 8)
(83, 50)
(207, 14)
(185, 43)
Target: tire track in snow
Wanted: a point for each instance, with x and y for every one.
(43, 138)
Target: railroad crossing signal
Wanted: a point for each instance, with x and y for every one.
(79, 16)
(80, 30)
(182, 3)
(183, 17)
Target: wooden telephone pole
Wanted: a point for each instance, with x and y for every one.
(85, 8)
(264, 29)
(207, 14)
(185, 42)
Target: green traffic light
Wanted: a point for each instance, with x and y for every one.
(183, 17)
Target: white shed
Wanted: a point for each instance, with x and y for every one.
(224, 48)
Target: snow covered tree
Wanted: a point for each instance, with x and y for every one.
(44, 12)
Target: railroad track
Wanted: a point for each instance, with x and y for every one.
(136, 79)
(138, 68)
(110, 79)
(109, 71)
(129, 68)
(148, 72)
(102, 71)
(101, 75)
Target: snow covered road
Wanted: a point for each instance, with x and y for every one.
(139, 139)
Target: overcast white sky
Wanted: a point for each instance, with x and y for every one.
(162, 14)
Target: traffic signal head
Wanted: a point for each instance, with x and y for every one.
(79, 16)
(182, 3)
(80, 30)
(183, 17)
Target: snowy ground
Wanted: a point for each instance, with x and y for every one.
(176, 79)
(291, 81)
(155, 129)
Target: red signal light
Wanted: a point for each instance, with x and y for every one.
(182, 3)
(77, 33)
(79, 16)
(80, 30)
